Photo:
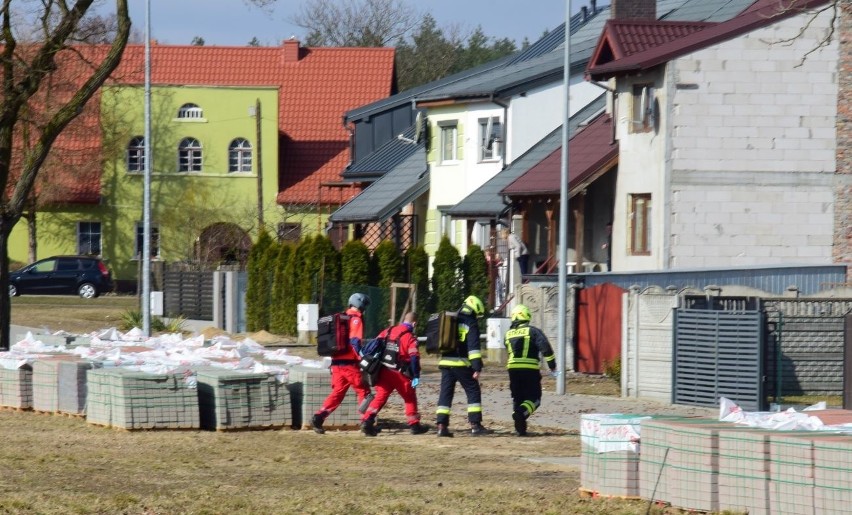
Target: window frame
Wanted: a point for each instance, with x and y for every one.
(89, 231)
(240, 156)
(495, 153)
(639, 224)
(190, 156)
(135, 153)
(642, 121)
(190, 111)
(449, 134)
(155, 241)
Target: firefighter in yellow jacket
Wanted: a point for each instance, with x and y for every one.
(524, 344)
(463, 365)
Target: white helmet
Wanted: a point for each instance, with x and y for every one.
(359, 301)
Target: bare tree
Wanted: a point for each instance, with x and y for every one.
(26, 69)
(369, 23)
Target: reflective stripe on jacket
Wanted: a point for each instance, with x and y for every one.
(524, 343)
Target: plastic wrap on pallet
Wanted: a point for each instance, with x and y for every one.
(611, 432)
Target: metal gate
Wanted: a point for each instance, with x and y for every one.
(718, 354)
(598, 327)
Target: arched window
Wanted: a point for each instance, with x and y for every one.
(190, 111)
(239, 156)
(136, 155)
(189, 155)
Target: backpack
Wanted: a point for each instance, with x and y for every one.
(371, 358)
(442, 332)
(332, 334)
(390, 355)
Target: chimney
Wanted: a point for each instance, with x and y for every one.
(290, 54)
(634, 10)
(594, 6)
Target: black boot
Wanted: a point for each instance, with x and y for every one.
(476, 429)
(418, 428)
(444, 431)
(520, 423)
(317, 421)
(368, 427)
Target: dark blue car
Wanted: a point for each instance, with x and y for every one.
(85, 276)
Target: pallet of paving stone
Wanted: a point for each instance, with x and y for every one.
(682, 466)
(308, 389)
(133, 400)
(609, 459)
(231, 400)
(744, 470)
(16, 388)
(59, 384)
(832, 474)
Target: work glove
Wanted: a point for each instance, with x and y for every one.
(415, 382)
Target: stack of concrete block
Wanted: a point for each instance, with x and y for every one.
(234, 399)
(59, 384)
(744, 467)
(832, 473)
(16, 387)
(683, 463)
(791, 472)
(609, 459)
(138, 400)
(308, 389)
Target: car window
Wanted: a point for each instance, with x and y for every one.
(48, 265)
(87, 264)
(67, 265)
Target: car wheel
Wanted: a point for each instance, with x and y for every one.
(13, 291)
(87, 290)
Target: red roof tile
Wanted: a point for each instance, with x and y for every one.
(651, 51)
(623, 38)
(590, 150)
(314, 93)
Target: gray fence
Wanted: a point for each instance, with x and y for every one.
(188, 294)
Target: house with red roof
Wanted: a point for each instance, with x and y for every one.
(211, 152)
(727, 137)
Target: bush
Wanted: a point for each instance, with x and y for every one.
(326, 269)
(447, 283)
(612, 368)
(133, 318)
(354, 269)
(281, 291)
(259, 279)
(476, 273)
(418, 274)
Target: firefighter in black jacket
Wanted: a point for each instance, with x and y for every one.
(463, 365)
(524, 343)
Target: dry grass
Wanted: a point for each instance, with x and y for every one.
(71, 313)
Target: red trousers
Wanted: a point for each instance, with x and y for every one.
(390, 380)
(342, 377)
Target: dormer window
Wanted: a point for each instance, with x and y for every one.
(190, 112)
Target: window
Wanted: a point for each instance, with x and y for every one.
(89, 238)
(190, 111)
(289, 232)
(449, 139)
(239, 156)
(490, 139)
(644, 108)
(189, 155)
(136, 155)
(640, 224)
(155, 240)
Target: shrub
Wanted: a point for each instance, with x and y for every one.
(355, 269)
(447, 284)
(612, 368)
(281, 289)
(326, 268)
(257, 292)
(418, 274)
(476, 273)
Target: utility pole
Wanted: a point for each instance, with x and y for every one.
(259, 161)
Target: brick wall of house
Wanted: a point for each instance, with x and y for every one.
(843, 191)
(754, 149)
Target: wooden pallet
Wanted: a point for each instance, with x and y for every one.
(15, 408)
(594, 494)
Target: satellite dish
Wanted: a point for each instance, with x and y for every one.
(418, 126)
(489, 138)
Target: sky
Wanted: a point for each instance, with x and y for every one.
(235, 22)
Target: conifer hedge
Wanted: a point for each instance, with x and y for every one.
(476, 273)
(447, 283)
(259, 281)
(281, 290)
(418, 274)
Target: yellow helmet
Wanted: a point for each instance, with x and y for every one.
(521, 313)
(475, 305)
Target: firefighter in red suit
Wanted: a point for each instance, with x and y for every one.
(400, 372)
(344, 367)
